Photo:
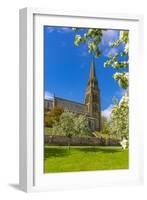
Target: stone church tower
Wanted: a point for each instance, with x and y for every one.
(92, 100)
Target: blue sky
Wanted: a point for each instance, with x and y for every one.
(66, 66)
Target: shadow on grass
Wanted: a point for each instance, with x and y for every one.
(63, 152)
(56, 152)
(101, 150)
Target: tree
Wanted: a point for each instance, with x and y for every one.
(81, 125)
(93, 38)
(70, 124)
(105, 125)
(66, 124)
(120, 118)
(51, 117)
(114, 61)
(103, 121)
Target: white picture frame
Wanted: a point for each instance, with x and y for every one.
(31, 100)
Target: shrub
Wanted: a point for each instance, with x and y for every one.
(69, 124)
(51, 117)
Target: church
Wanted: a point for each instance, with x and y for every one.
(91, 107)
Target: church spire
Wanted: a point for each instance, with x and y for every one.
(92, 99)
(92, 70)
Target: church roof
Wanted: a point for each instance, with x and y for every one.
(69, 105)
(59, 98)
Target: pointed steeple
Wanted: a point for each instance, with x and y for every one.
(92, 99)
(92, 70)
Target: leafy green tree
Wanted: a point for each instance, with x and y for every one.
(120, 118)
(65, 126)
(93, 38)
(66, 123)
(121, 77)
(70, 124)
(103, 121)
(51, 117)
(81, 125)
(105, 125)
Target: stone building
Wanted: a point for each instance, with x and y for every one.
(91, 107)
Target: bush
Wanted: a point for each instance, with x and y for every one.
(101, 134)
(69, 124)
(51, 117)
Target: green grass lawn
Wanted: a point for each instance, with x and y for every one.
(62, 159)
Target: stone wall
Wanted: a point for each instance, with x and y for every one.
(77, 141)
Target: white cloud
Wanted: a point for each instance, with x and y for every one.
(107, 112)
(50, 29)
(120, 93)
(111, 52)
(48, 95)
(58, 29)
(110, 36)
(64, 30)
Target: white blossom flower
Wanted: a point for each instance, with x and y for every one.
(123, 143)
